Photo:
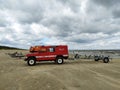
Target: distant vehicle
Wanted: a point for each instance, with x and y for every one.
(47, 53)
(104, 58)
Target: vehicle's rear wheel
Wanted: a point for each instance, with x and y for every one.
(106, 60)
(31, 61)
(59, 60)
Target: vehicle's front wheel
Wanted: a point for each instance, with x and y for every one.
(59, 60)
(31, 61)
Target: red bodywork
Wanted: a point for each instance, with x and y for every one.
(45, 53)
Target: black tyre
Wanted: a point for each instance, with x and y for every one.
(106, 60)
(31, 61)
(96, 59)
(59, 60)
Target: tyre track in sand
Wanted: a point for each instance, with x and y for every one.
(103, 77)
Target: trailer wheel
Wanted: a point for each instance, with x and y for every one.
(106, 60)
(59, 60)
(96, 59)
(31, 61)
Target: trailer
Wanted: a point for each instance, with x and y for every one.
(105, 59)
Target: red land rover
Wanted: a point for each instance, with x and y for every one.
(47, 53)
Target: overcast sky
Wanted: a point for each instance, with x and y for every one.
(81, 24)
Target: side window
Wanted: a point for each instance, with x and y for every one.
(51, 49)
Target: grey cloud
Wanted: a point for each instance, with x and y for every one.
(80, 40)
(104, 9)
(66, 26)
(23, 11)
(2, 24)
(73, 5)
(61, 21)
(3, 21)
(116, 13)
(106, 3)
(63, 25)
(105, 28)
(30, 17)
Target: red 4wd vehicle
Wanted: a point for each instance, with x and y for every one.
(47, 53)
